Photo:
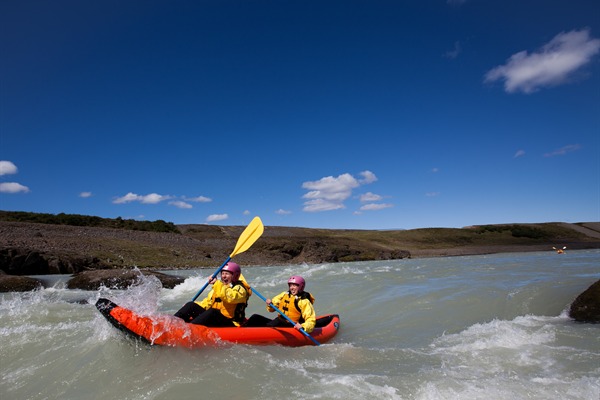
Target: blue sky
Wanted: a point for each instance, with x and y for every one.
(322, 114)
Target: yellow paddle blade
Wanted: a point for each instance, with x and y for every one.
(250, 235)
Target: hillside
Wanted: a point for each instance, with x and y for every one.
(27, 246)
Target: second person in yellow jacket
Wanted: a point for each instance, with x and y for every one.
(296, 304)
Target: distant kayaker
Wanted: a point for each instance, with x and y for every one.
(224, 305)
(560, 251)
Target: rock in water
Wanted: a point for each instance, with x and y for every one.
(586, 307)
(11, 283)
(117, 279)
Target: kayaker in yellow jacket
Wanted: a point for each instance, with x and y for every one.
(224, 305)
(296, 304)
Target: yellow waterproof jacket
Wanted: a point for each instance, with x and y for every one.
(230, 300)
(297, 308)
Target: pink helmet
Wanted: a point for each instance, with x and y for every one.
(298, 280)
(234, 269)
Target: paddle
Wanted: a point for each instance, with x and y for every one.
(252, 232)
(286, 317)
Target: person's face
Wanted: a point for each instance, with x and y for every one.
(294, 288)
(226, 277)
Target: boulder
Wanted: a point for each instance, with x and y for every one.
(10, 283)
(19, 261)
(118, 279)
(586, 307)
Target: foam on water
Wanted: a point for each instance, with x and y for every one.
(504, 359)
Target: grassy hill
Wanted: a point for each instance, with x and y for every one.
(99, 242)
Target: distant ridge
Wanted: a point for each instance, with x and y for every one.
(109, 243)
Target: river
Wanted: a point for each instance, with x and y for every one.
(474, 327)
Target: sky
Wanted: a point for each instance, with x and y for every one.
(337, 114)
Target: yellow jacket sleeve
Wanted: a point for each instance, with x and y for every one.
(207, 302)
(308, 313)
(276, 300)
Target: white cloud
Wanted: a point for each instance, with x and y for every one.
(435, 170)
(375, 206)
(367, 197)
(152, 198)
(329, 193)
(368, 177)
(318, 205)
(216, 217)
(432, 194)
(563, 150)
(519, 153)
(180, 204)
(246, 212)
(198, 199)
(282, 212)
(7, 168)
(85, 195)
(551, 65)
(13, 187)
(155, 198)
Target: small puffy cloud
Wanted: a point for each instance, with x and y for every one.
(7, 168)
(318, 205)
(13, 187)
(329, 193)
(553, 64)
(375, 206)
(368, 197)
(198, 199)
(246, 212)
(563, 150)
(367, 177)
(432, 194)
(216, 217)
(435, 170)
(282, 212)
(519, 153)
(152, 198)
(85, 195)
(180, 204)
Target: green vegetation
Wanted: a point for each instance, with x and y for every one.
(91, 221)
(519, 231)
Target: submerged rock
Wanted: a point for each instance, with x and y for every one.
(118, 279)
(586, 307)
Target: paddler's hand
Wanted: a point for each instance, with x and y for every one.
(297, 326)
(269, 302)
(212, 280)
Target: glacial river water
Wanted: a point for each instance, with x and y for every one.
(477, 327)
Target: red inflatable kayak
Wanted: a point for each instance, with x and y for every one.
(167, 330)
